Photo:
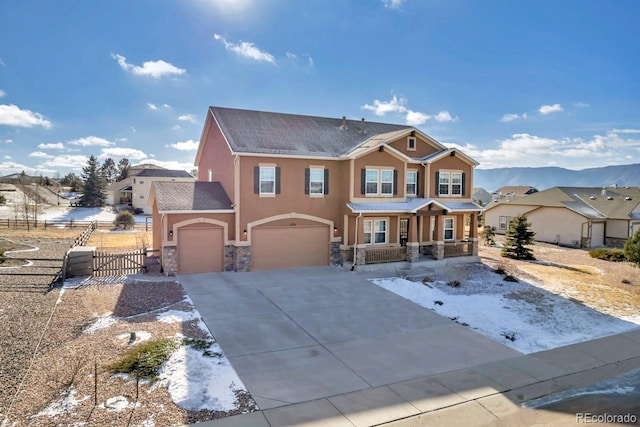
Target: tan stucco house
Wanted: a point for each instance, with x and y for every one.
(134, 191)
(282, 190)
(584, 217)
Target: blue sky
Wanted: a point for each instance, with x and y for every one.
(529, 83)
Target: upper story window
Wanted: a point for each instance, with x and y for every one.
(266, 180)
(382, 182)
(450, 183)
(316, 181)
(375, 231)
(412, 183)
(411, 143)
(371, 185)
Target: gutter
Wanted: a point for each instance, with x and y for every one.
(355, 244)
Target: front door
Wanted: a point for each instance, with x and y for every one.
(404, 231)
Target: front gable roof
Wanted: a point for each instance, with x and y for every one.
(432, 158)
(411, 205)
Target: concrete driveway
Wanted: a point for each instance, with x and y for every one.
(303, 334)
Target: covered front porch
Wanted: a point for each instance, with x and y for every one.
(423, 230)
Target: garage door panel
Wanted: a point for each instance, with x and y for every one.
(289, 247)
(200, 250)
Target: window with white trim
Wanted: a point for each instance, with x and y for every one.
(456, 183)
(386, 182)
(371, 184)
(504, 222)
(267, 180)
(316, 181)
(375, 231)
(412, 183)
(448, 229)
(411, 143)
(443, 183)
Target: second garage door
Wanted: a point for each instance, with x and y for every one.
(289, 247)
(200, 250)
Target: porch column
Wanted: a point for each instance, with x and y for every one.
(413, 245)
(473, 226)
(460, 226)
(438, 246)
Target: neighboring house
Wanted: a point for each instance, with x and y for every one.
(574, 216)
(134, 190)
(282, 190)
(512, 192)
(481, 196)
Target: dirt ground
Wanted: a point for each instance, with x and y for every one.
(131, 239)
(609, 287)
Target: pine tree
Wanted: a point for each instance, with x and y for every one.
(123, 169)
(109, 170)
(94, 184)
(632, 249)
(517, 238)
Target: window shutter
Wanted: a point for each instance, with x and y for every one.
(307, 180)
(395, 182)
(256, 179)
(277, 180)
(363, 178)
(437, 183)
(326, 181)
(418, 183)
(463, 179)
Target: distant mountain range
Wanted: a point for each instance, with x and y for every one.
(547, 177)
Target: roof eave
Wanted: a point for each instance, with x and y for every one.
(198, 211)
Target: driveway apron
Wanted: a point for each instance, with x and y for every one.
(302, 334)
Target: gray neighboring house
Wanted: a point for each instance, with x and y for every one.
(481, 196)
(585, 217)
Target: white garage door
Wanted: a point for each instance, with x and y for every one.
(289, 247)
(200, 250)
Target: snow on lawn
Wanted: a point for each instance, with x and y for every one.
(519, 315)
(66, 404)
(104, 214)
(101, 322)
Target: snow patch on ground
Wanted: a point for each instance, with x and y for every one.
(176, 316)
(197, 382)
(103, 321)
(141, 336)
(534, 318)
(67, 402)
(117, 404)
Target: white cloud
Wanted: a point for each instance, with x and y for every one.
(581, 104)
(151, 106)
(189, 145)
(166, 105)
(12, 115)
(246, 49)
(187, 118)
(625, 131)
(10, 167)
(91, 141)
(51, 146)
(393, 4)
(444, 116)
(154, 69)
(526, 150)
(8, 157)
(9, 141)
(41, 155)
(291, 55)
(311, 63)
(512, 117)
(2, 93)
(412, 118)
(71, 161)
(548, 109)
(176, 127)
(129, 153)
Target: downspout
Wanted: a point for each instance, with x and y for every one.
(355, 244)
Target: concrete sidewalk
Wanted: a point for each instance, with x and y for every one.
(484, 395)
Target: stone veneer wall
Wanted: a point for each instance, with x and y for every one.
(336, 254)
(229, 258)
(243, 258)
(615, 242)
(170, 260)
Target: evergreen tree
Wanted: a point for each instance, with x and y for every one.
(72, 180)
(632, 249)
(123, 169)
(94, 184)
(109, 170)
(517, 238)
(488, 236)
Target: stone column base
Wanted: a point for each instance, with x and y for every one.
(243, 258)
(437, 250)
(170, 260)
(335, 257)
(361, 256)
(413, 252)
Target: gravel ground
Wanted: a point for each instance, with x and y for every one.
(25, 307)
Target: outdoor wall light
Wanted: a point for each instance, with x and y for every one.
(244, 232)
(335, 230)
(170, 233)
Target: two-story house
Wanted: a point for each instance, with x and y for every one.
(282, 190)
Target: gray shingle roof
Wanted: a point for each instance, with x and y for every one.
(190, 196)
(164, 173)
(291, 134)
